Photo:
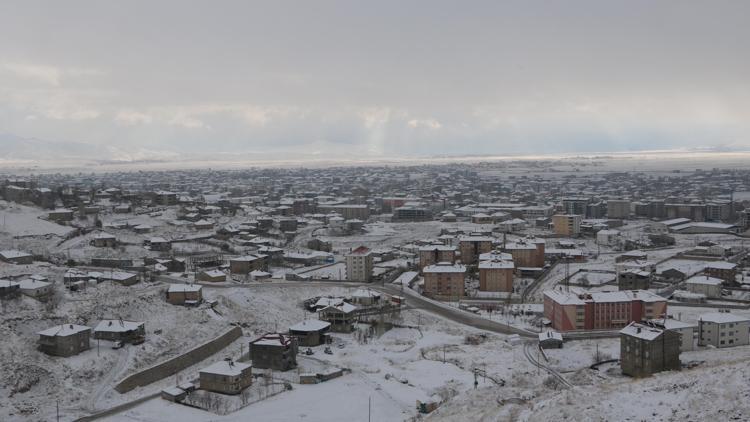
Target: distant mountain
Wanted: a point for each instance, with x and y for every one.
(15, 147)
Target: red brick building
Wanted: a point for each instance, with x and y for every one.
(432, 254)
(576, 310)
(444, 279)
(527, 252)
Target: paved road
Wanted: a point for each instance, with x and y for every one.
(453, 314)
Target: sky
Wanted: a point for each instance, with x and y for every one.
(141, 80)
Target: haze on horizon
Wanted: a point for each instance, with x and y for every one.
(334, 79)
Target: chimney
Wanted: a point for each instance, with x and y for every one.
(638, 330)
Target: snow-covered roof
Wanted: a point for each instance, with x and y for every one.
(328, 301)
(310, 325)
(343, 307)
(13, 253)
(430, 248)
(63, 330)
(117, 326)
(31, 284)
(226, 368)
(641, 331)
(575, 297)
(702, 279)
(365, 293)
(496, 264)
(489, 256)
(722, 317)
(214, 273)
(444, 267)
(550, 335)
(721, 265)
(175, 288)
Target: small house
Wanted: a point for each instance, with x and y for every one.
(310, 332)
(37, 289)
(341, 316)
(104, 240)
(550, 340)
(214, 276)
(64, 340)
(119, 330)
(16, 257)
(185, 294)
(274, 351)
(226, 377)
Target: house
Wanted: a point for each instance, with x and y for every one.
(16, 257)
(672, 275)
(257, 275)
(510, 226)
(550, 340)
(226, 377)
(496, 276)
(121, 277)
(365, 297)
(248, 263)
(64, 340)
(104, 240)
(9, 289)
(213, 276)
(158, 244)
(203, 225)
(646, 349)
(444, 279)
(310, 332)
(578, 309)
(185, 294)
(723, 329)
(633, 280)
(341, 316)
(274, 351)
(359, 264)
(142, 228)
(37, 289)
(726, 271)
(705, 285)
(119, 330)
(60, 215)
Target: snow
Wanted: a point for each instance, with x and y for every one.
(310, 325)
(226, 368)
(722, 318)
(64, 330)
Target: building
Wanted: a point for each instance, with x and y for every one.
(496, 276)
(37, 289)
(432, 254)
(444, 279)
(705, 285)
(726, 271)
(64, 340)
(274, 351)
(104, 240)
(581, 310)
(685, 330)
(185, 294)
(365, 297)
(723, 329)
(472, 246)
(214, 276)
(310, 332)
(16, 257)
(348, 211)
(248, 263)
(527, 253)
(550, 340)
(60, 215)
(567, 224)
(226, 377)
(646, 349)
(159, 244)
(575, 205)
(341, 315)
(359, 265)
(633, 279)
(412, 211)
(608, 237)
(119, 330)
(9, 289)
(618, 208)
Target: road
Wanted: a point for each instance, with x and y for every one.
(530, 356)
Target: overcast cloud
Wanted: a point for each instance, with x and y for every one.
(376, 78)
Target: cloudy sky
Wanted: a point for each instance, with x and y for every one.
(376, 78)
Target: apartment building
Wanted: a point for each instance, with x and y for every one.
(496, 276)
(646, 349)
(444, 279)
(359, 265)
(567, 224)
(472, 246)
(723, 329)
(432, 254)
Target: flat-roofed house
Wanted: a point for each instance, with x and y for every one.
(64, 340)
(705, 285)
(248, 263)
(726, 271)
(226, 377)
(185, 294)
(310, 332)
(16, 257)
(37, 289)
(214, 276)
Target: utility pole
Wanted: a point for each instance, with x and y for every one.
(57, 407)
(369, 408)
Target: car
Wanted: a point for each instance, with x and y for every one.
(118, 344)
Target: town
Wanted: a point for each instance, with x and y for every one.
(540, 288)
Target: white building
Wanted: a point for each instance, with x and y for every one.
(359, 265)
(608, 237)
(709, 286)
(686, 331)
(723, 329)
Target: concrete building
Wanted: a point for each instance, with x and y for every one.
(633, 280)
(705, 285)
(359, 265)
(274, 351)
(226, 377)
(444, 279)
(341, 315)
(646, 349)
(685, 330)
(104, 240)
(608, 237)
(726, 271)
(60, 215)
(185, 294)
(581, 310)
(723, 329)
(64, 340)
(119, 330)
(496, 276)
(472, 246)
(567, 224)
(248, 263)
(310, 332)
(38, 289)
(214, 276)
(618, 208)
(432, 254)
(527, 252)
(347, 211)
(16, 257)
